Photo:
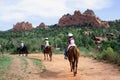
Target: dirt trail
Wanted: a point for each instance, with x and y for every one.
(88, 69)
(22, 68)
(15, 70)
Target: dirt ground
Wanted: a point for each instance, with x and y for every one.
(59, 69)
(88, 69)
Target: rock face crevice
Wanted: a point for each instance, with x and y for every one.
(22, 26)
(88, 18)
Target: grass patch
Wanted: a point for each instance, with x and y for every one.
(5, 62)
(2, 79)
(39, 64)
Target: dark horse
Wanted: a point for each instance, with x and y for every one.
(73, 57)
(47, 52)
(22, 50)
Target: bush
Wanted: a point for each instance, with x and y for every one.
(107, 54)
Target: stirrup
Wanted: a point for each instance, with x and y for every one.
(65, 57)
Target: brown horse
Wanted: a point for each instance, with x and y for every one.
(73, 57)
(48, 52)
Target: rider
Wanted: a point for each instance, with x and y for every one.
(71, 42)
(46, 42)
(22, 44)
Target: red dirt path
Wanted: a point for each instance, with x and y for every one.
(88, 69)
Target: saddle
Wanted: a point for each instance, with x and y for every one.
(73, 47)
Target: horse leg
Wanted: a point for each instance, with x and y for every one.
(71, 66)
(26, 54)
(50, 55)
(44, 56)
(74, 68)
(19, 53)
(22, 54)
(47, 57)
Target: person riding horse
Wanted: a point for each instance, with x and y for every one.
(22, 49)
(47, 50)
(71, 42)
(45, 44)
(72, 53)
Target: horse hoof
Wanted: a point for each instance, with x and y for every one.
(75, 73)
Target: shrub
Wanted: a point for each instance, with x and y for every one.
(107, 54)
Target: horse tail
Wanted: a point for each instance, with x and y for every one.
(74, 57)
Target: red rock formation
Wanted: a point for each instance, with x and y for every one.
(22, 26)
(42, 25)
(88, 18)
(89, 12)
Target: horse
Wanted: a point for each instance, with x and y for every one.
(22, 50)
(47, 52)
(73, 54)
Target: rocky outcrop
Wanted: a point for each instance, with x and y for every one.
(22, 26)
(87, 33)
(42, 25)
(111, 35)
(88, 18)
(89, 12)
(99, 39)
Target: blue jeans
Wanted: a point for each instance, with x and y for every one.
(65, 52)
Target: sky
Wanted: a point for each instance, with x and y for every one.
(50, 11)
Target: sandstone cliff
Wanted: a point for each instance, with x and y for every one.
(22, 26)
(88, 18)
